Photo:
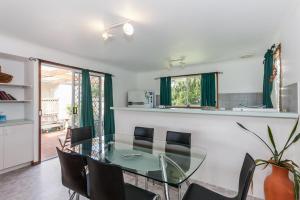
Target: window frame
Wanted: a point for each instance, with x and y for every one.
(198, 106)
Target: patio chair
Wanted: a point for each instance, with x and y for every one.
(65, 139)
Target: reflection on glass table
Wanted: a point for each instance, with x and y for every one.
(165, 163)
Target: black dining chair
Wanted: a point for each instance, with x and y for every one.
(178, 149)
(107, 183)
(73, 173)
(143, 139)
(196, 192)
(179, 138)
(80, 134)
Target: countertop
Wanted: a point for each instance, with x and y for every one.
(213, 112)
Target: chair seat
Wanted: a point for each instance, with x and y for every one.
(196, 192)
(134, 193)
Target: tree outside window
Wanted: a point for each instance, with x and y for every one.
(186, 91)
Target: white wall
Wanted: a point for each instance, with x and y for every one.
(122, 82)
(224, 142)
(241, 75)
(290, 40)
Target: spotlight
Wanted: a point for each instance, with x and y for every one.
(106, 35)
(128, 29)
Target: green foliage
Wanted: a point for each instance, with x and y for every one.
(186, 91)
(276, 158)
(95, 90)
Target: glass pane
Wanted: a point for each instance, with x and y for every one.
(77, 98)
(179, 91)
(96, 92)
(97, 88)
(194, 84)
(177, 162)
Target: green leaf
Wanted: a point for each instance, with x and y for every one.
(262, 162)
(294, 130)
(286, 146)
(243, 127)
(294, 141)
(272, 141)
(296, 138)
(290, 161)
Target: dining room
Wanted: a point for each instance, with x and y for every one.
(166, 100)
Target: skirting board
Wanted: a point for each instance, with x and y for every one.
(15, 168)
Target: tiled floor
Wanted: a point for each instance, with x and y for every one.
(43, 182)
(49, 142)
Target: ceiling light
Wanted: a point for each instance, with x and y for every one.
(178, 62)
(106, 35)
(128, 29)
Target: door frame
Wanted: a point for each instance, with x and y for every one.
(40, 63)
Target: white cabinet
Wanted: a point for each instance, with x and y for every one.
(1, 149)
(17, 145)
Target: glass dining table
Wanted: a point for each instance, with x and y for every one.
(168, 163)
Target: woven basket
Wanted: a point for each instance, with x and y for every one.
(5, 78)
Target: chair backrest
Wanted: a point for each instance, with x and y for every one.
(73, 172)
(179, 143)
(143, 133)
(179, 138)
(246, 176)
(106, 181)
(143, 139)
(80, 134)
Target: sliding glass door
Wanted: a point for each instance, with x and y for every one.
(97, 87)
(60, 105)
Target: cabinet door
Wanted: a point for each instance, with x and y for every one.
(18, 145)
(1, 148)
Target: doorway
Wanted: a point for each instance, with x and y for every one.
(60, 100)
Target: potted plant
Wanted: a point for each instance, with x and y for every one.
(277, 185)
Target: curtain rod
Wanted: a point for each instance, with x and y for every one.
(187, 75)
(68, 66)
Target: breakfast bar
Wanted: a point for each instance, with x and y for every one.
(217, 133)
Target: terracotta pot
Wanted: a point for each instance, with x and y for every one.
(278, 186)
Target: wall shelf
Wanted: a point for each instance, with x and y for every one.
(14, 85)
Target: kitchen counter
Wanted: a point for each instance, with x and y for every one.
(214, 112)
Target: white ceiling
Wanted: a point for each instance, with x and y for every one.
(202, 30)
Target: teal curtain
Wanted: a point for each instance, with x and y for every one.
(109, 121)
(267, 84)
(86, 111)
(208, 89)
(165, 91)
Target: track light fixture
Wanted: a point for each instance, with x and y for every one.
(127, 28)
(180, 62)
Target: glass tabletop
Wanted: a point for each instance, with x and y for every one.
(158, 160)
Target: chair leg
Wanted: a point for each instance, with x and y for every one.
(72, 196)
(179, 192)
(77, 197)
(146, 183)
(136, 180)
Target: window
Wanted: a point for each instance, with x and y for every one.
(186, 91)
